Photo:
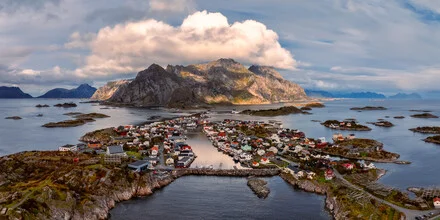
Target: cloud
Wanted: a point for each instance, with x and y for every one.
(172, 5)
(203, 36)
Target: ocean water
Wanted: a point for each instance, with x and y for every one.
(194, 197)
(27, 134)
(221, 197)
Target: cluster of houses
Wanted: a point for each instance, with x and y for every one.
(233, 137)
(156, 144)
(252, 143)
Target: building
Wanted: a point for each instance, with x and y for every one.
(436, 202)
(139, 166)
(348, 166)
(115, 151)
(329, 174)
(68, 147)
(94, 144)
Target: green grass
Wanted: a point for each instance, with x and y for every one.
(137, 155)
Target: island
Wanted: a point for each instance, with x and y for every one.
(90, 115)
(424, 115)
(399, 117)
(382, 123)
(14, 118)
(368, 108)
(314, 105)
(42, 106)
(68, 123)
(286, 110)
(433, 139)
(66, 105)
(345, 125)
(80, 119)
(426, 130)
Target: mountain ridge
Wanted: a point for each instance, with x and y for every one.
(82, 91)
(13, 93)
(223, 81)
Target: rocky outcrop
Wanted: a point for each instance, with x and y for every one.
(259, 187)
(219, 82)
(108, 90)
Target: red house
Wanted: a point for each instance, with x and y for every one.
(329, 174)
(348, 166)
(186, 147)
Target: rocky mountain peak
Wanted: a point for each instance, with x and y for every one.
(265, 71)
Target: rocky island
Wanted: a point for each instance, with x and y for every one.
(433, 139)
(14, 118)
(66, 105)
(286, 110)
(426, 130)
(314, 105)
(80, 119)
(382, 123)
(424, 115)
(42, 106)
(345, 125)
(368, 108)
(68, 123)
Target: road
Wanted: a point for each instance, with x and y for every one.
(409, 213)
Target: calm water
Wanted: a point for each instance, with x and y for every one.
(27, 134)
(222, 198)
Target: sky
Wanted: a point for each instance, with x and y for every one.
(334, 45)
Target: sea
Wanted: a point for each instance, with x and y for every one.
(226, 197)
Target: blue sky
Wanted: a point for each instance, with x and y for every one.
(336, 45)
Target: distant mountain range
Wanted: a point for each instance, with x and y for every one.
(83, 91)
(12, 93)
(360, 95)
(223, 81)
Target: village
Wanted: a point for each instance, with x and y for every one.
(161, 147)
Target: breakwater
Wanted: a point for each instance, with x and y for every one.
(229, 172)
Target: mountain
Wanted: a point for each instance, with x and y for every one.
(105, 92)
(83, 91)
(406, 96)
(12, 93)
(361, 95)
(351, 95)
(319, 94)
(224, 81)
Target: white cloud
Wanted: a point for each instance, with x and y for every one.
(203, 36)
(172, 5)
